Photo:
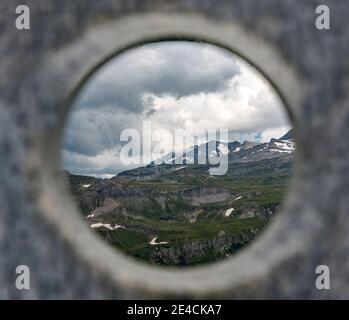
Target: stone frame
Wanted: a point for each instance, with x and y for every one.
(265, 268)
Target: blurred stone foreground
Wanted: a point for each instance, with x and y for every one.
(314, 227)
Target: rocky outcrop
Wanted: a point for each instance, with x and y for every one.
(192, 252)
(137, 198)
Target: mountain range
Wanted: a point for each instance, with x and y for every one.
(248, 151)
(178, 214)
(244, 157)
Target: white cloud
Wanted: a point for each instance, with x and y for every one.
(273, 133)
(248, 107)
(176, 86)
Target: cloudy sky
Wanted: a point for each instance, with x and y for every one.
(175, 85)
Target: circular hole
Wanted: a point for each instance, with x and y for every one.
(178, 153)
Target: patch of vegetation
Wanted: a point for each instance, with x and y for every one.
(163, 207)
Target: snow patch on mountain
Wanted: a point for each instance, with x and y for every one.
(249, 151)
(223, 148)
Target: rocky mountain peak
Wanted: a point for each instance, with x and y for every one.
(288, 136)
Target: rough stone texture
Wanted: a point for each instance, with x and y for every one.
(320, 199)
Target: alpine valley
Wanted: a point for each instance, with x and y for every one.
(180, 215)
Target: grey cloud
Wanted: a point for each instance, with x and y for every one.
(175, 68)
(76, 165)
(113, 99)
(90, 132)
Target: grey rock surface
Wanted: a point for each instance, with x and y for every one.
(32, 98)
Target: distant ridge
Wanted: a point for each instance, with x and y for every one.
(288, 136)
